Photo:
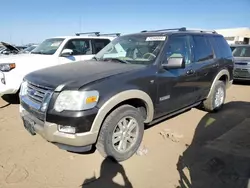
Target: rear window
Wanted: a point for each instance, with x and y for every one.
(221, 47)
(203, 50)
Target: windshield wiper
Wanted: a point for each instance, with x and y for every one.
(116, 59)
(95, 58)
(36, 52)
(42, 53)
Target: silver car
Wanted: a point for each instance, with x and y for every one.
(241, 55)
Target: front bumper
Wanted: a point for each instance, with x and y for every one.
(6, 88)
(241, 74)
(49, 131)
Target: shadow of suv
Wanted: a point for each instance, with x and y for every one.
(136, 80)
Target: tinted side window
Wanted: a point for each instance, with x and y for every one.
(215, 47)
(99, 44)
(79, 46)
(223, 46)
(202, 50)
(179, 46)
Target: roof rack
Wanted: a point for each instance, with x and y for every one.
(99, 34)
(181, 29)
(110, 34)
(95, 33)
(173, 29)
(201, 30)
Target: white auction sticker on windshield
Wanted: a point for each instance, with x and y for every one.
(156, 38)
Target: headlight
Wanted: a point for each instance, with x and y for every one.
(24, 88)
(76, 100)
(7, 66)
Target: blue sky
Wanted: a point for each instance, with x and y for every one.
(33, 21)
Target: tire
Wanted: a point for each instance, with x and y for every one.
(210, 103)
(107, 146)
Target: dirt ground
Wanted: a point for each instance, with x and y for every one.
(195, 149)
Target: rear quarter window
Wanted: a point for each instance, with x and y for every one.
(202, 48)
(221, 47)
(99, 44)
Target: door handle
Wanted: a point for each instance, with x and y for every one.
(216, 65)
(190, 72)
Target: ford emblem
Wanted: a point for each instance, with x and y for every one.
(32, 92)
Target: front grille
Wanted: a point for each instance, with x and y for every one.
(241, 73)
(36, 93)
(241, 63)
(36, 100)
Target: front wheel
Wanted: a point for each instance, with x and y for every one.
(216, 100)
(121, 133)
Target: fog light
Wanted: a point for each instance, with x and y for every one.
(66, 129)
(2, 78)
(3, 81)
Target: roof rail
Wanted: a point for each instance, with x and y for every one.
(172, 29)
(181, 29)
(95, 33)
(110, 34)
(99, 34)
(201, 30)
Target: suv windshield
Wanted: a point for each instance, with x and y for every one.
(48, 47)
(136, 49)
(241, 51)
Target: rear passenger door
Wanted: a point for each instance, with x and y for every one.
(205, 64)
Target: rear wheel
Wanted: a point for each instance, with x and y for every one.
(216, 100)
(121, 133)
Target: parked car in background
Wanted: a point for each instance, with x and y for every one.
(9, 49)
(20, 48)
(241, 55)
(52, 51)
(136, 80)
(28, 49)
(1, 49)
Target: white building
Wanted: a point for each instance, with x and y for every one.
(236, 35)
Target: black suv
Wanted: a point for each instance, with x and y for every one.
(135, 81)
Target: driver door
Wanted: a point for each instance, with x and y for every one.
(82, 50)
(176, 87)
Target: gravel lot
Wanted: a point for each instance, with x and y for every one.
(200, 149)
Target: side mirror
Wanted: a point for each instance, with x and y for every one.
(66, 52)
(174, 63)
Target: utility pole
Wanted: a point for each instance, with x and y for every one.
(80, 24)
(10, 39)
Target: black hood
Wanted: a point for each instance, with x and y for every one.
(77, 74)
